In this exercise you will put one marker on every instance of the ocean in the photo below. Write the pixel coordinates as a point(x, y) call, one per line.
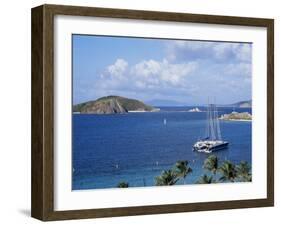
point(137, 147)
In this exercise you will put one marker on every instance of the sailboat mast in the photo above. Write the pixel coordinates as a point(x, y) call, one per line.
point(217, 124)
point(213, 131)
point(212, 124)
point(208, 121)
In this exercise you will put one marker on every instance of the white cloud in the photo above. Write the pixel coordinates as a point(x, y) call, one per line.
point(222, 50)
point(147, 74)
point(158, 72)
point(193, 45)
point(245, 53)
point(147, 68)
point(219, 51)
point(118, 68)
point(240, 69)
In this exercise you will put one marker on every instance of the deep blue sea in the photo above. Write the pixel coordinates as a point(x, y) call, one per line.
point(137, 147)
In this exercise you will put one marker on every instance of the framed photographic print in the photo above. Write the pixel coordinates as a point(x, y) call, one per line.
point(141, 112)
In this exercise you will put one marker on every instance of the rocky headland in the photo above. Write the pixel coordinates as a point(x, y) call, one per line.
point(112, 105)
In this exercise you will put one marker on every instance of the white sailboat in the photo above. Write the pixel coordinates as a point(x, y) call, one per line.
point(213, 140)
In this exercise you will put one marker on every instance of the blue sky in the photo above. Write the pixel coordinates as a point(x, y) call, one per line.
point(177, 71)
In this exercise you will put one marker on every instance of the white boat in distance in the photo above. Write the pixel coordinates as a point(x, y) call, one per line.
point(213, 140)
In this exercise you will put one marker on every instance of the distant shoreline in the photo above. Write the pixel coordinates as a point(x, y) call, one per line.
point(166, 109)
point(239, 120)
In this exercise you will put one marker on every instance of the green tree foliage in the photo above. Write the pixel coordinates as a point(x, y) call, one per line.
point(205, 179)
point(123, 184)
point(244, 172)
point(212, 164)
point(168, 177)
point(182, 169)
point(228, 171)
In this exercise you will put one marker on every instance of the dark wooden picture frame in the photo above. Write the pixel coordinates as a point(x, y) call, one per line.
point(42, 203)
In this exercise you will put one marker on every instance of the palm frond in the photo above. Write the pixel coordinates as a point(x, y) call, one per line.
point(205, 179)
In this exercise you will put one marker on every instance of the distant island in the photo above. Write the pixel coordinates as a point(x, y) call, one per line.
point(173, 103)
point(240, 104)
point(163, 103)
point(112, 105)
point(194, 110)
point(243, 116)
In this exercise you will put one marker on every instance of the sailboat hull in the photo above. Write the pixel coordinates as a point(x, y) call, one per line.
point(219, 146)
point(209, 146)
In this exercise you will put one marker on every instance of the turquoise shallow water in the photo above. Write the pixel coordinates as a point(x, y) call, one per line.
point(136, 147)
